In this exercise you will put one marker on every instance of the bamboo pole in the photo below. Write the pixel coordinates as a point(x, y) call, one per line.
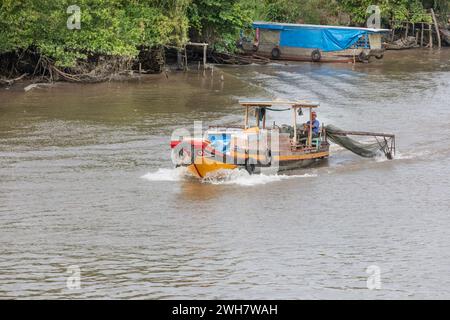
point(436, 26)
point(392, 24)
point(431, 36)
point(185, 59)
point(363, 133)
point(421, 36)
point(294, 110)
point(246, 118)
point(204, 56)
point(310, 127)
point(264, 120)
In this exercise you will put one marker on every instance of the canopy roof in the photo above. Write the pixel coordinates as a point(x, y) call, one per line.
point(282, 26)
point(319, 37)
point(270, 103)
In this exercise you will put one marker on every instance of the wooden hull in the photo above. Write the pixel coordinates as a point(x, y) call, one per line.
point(270, 47)
point(207, 166)
point(445, 34)
point(277, 155)
point(204, 166)
point(345, 56)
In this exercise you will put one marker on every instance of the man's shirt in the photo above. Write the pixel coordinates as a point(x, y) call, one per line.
point(315, 126)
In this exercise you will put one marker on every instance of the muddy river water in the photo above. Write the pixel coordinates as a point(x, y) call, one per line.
point(87, 184)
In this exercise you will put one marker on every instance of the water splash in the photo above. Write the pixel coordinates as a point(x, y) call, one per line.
point(405, 156)
point(243, 178)
point(167, 174)
point(222, 177)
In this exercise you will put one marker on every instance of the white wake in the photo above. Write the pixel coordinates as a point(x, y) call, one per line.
point(223, 177)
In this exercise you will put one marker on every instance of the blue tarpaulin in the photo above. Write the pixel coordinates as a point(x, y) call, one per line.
point(220, 141)
point(324, 38)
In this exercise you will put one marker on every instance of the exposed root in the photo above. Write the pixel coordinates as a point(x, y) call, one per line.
point(10, 82)
point(96, 68)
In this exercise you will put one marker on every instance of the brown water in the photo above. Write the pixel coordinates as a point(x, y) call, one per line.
point(86, 180)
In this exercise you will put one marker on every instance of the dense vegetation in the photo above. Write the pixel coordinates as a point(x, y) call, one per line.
point(123, 28)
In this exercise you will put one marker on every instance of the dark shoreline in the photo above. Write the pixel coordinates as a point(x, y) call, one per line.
point(26, 81)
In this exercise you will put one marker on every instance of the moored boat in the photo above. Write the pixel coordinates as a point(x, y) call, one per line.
point(445, 34)
point(317, 43)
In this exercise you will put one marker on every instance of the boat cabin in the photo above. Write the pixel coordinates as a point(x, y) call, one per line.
point(298, 136)
point(316, 43)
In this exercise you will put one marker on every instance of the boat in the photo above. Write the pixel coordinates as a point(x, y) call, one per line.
point(445, 34)
point(257, 146)
point(316, 43)
point(402, 44)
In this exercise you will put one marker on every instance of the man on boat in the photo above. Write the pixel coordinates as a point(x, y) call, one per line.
point(315, 125)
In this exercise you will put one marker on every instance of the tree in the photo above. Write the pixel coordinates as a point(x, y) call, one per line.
point(398, 10)
point(218, 21)
point(108, 27)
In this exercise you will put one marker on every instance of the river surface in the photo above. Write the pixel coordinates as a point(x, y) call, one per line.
point(86, 182)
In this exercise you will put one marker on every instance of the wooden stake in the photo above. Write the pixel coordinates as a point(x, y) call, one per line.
point(204, 56)
point(185, 59)
point(421, 36)
point(436, 26)
point(392, 26)
point(431, 36)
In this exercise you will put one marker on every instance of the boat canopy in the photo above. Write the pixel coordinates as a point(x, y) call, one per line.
point(325, 38)
point(270, 103)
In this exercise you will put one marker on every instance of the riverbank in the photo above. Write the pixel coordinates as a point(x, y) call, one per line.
point(415, 56)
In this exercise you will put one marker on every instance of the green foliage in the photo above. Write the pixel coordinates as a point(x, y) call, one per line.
point(440, 6)
point(120, 27)
point(293, 11)
point(398, 10)
point(218, 21)
point(108, 27)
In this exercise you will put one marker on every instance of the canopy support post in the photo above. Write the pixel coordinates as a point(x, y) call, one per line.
point(310, 128)
point(246, 118)
point(294, 110)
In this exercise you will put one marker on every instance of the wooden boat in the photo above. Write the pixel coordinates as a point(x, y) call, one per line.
point(317, 43)
point(445, 34)
point(402, 44)
point(256, 146)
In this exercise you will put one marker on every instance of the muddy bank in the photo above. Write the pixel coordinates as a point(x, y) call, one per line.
point(31, 65)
